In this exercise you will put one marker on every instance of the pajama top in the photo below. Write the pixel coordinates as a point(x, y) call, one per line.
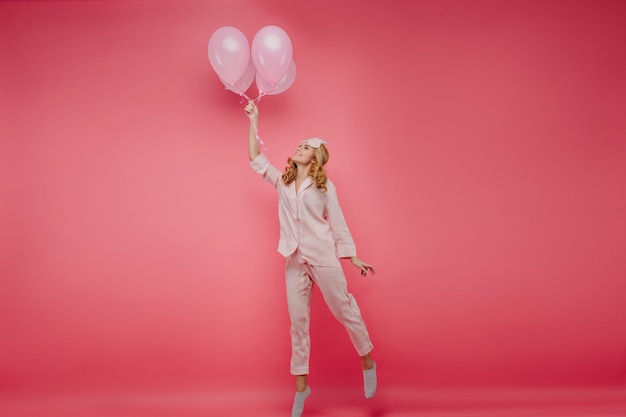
point(310, 220)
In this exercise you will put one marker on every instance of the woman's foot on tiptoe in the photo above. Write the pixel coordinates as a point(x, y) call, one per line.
point(369, 381)
point(298, 402)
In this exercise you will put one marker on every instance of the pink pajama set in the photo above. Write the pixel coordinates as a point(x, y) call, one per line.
point(313, 236)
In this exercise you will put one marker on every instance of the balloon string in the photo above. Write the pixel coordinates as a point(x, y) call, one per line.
point(256, 127)
point(264, 93)
point(256, 133)
point(241, 93)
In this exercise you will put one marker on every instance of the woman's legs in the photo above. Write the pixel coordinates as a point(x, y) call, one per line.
point(299, 278)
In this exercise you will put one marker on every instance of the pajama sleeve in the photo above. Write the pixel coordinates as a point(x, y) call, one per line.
point(343, 238)
point(261, 165)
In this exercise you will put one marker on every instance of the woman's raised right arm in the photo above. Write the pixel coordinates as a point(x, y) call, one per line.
point(253, 144)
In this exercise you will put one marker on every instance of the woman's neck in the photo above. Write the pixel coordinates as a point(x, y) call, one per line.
point(302, 173)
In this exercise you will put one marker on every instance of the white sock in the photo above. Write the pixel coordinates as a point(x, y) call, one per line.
point(298, 402)
point(369, 380)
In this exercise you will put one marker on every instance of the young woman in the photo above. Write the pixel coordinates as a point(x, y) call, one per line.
point(313, 237)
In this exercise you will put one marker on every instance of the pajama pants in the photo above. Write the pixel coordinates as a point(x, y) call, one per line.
point(300, 277)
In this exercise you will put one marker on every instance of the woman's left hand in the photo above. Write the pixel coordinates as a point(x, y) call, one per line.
point(364, 267)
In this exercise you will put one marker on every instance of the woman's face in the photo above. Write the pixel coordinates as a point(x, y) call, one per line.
point(304, 154)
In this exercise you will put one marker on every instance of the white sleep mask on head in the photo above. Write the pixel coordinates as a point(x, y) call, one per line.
point(314, 142)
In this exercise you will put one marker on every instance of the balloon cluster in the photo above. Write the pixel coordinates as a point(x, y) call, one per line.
point(268, 61)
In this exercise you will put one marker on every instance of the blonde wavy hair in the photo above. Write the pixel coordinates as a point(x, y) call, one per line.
point(316, 170)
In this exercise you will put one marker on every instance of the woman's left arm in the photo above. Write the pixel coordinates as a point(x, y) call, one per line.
point(344, 243)
point(346, 249)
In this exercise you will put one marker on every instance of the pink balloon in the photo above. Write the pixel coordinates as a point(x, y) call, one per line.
point(229, 53)
point(272, 52)
point(266, 88)
point(244, 82)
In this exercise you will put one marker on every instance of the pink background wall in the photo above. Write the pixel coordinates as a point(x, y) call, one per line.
point(479, 149)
